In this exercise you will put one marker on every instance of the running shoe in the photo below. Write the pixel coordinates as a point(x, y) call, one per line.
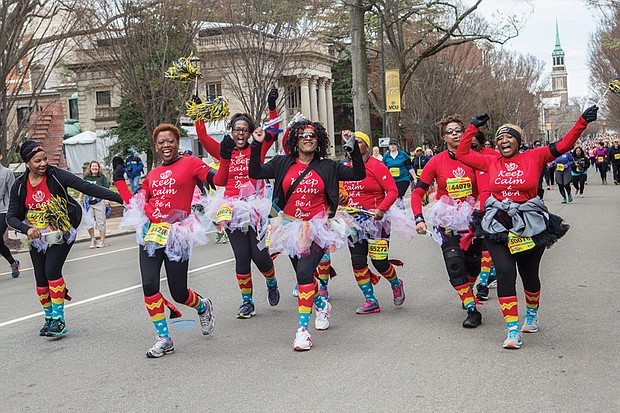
point(296, 290)
point(161, 347)
point(15, 268)
point(580, 195)
point(368, 307)
point(57, 328)
point(474, 318)
point(93, 244)
point(482, 292)
point(246, 310)
point(102, 244)
point(273, 295)
point(514, 340)
point(570, 198)
point(323, 292)
point(399, 294)
point(563, 201)
point(46, 326)
point(321, 321)
point(207, 322)
point(530, 324)
point(303, 341)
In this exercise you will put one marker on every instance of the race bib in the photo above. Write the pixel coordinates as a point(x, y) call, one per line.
point(37, 218)
point(223, 214)
point(419, 172)
point(616, 156)
point(158, 233)
point(458, 187)
point(378, 249)
point(559, 167)
point(519, 244)
point(600, 159)
point(395, 172)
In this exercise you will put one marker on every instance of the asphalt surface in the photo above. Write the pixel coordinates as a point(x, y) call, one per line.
point(413, 358)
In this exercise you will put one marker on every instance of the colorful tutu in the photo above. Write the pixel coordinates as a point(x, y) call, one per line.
point(52, 236)
point(394, 221)
point(294, 237)
point(178, 239)
point(450, 213)
point(238, 213)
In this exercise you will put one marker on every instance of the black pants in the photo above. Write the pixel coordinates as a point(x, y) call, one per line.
point(579, 182)
point(48, 265)
point(305, 266)
point(616, 169)
point(245, 248)
point(4, 250)
point(359, 252)
point(550, 175)
point(176, 271)
point(602, 168)
point(506, 265)
point(459, 263)
point(402, 188)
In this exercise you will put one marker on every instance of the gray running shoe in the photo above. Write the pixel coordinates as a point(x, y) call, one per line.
point(513, 341)
point(161, 347)
point(530, 324)
point(368, 307)
point(207, 322)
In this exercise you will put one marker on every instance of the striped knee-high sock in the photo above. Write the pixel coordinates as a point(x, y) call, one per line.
point(320, 301)
point(472, 281)
point(155, 306)
point(194, 301)
point(57, 294)
point(390, 275)
point(270, 277)
point(510, 311)
point(485, 267)
point(532, 300)
point(323, 272)
point(245, 286)
point(304, 303)
point(44, 299)
point(362, 277)
point(465, 294)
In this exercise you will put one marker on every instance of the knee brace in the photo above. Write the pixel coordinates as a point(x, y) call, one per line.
point(358, 261)
point(455, 262)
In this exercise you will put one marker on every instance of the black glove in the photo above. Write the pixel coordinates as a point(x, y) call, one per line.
point(226, 147)
point(119, 173)
point(480, 120)
point(589, 115)
point(196, 99)
point(272, 97)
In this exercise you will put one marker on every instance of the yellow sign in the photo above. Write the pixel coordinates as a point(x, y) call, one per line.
point(158, 233)
point(392, 91)
point(378, 249)
point(519, 244)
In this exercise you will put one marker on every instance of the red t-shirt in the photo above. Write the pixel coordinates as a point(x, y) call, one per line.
point(517, 177)
point(454, 179)
point(37, 196)
point(377, 191)
point(308, 199)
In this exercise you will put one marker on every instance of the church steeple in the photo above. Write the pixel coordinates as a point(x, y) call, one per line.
point(559, 75)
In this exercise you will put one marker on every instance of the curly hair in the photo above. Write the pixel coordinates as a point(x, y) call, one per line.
point(449, 119)
point(242, 117)
point(298, 127)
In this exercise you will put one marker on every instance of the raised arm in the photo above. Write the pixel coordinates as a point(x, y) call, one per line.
point(221, 177)
point(256, 168)
point(358, 171)
point(568, 141)
point(463, 152)
point(211, 145)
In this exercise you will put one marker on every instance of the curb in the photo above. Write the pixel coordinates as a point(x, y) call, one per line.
point(83, 239)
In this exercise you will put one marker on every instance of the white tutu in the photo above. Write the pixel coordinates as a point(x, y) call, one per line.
point(394, 220)
point(294, 237)
point(450, 213)
point(53, 237)
point(249, 212)
point(182, 235)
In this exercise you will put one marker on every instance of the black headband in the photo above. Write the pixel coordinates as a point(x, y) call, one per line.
point(510, 131)
point(29, 149)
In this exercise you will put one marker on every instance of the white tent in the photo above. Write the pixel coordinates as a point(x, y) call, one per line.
point(85, 147)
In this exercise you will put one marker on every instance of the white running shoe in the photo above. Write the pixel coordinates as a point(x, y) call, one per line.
point(161, 347)
point(303, 340)
point(513, 341)
point(322, 317)
point(207, 322)
point(530, 324)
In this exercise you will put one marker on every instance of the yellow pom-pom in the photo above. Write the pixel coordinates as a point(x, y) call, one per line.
point(210, 111)
point(183, 70)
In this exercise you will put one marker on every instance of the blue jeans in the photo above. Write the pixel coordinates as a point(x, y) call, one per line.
point(135, 183)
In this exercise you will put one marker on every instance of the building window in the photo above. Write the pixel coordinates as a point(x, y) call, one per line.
point(23, 116)
point(213, 90)
point(293, 97)
point(104, 98)
point(74, 112)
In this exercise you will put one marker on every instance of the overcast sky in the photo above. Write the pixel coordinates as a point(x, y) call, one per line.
point(576, 24)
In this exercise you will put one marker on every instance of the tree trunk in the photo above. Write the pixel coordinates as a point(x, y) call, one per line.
point(359, 68)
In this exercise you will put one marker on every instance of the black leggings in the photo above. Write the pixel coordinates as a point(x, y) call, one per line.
point(359, 252)
point(550, 175)
point(564, 190)
point(402, 188)
point(459, 263)
point(602, 168)
point(4, 250)
point(506, 265)
point(245, 248)
point(48, 265)
point(176, 271)
point(305, 266)
point(579, 182)
point(616, 171)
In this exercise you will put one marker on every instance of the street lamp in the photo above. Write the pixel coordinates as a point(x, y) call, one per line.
point(195, 60)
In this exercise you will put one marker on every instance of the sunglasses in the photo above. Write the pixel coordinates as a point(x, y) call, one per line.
point(451, 131)
point(307, 135)
point(241, 130)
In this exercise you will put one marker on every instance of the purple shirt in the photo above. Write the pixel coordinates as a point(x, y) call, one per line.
point(600, 155)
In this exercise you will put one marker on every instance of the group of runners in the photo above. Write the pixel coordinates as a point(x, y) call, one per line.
point(485, 207)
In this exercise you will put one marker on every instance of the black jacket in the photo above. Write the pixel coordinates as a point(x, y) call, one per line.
point(611, 154)
point(58, 181)
point(330, 172)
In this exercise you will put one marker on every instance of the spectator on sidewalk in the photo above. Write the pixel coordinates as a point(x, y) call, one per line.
point(96, 207)
point(133, 169)
point(6, 182)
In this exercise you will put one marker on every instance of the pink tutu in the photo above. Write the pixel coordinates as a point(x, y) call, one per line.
point(450, 213)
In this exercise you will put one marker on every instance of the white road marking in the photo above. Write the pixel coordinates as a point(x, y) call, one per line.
point(99, 297)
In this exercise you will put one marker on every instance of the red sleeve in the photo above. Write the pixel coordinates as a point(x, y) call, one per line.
point(272, 115)
point(465, 154)
point(211, 145)
point(568, 141)
point(284, 139)
point(386, 181)
point(123, 190)
point(221, 177)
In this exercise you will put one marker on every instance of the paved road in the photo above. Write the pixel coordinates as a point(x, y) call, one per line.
point(413, 358)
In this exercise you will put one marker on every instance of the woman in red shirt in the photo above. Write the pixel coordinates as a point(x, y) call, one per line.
point(244, 209)
point(457, 191)
point(374, 195)
point(168, 229)
point(306, 191)
point(516, 225)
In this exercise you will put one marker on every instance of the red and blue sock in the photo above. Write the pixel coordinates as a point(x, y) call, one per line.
point(155, 306)
point(57, 290)
point(245, 286)
point(44, 298)
point(270, 277)
point(304, 303)
point(532, 301)
point(390, 275)
point(194, 301)
point(465, 294)
point(362, 276)
point(510, 311)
